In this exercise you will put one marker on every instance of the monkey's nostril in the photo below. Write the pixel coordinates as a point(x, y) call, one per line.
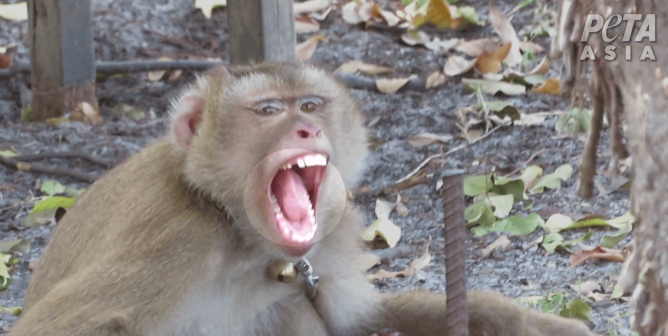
point(303, 134)
point(318, 133)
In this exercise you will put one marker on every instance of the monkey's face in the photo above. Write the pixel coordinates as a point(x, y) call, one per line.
point(282, 143)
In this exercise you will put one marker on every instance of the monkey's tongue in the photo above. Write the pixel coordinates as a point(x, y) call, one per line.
point(291, 194)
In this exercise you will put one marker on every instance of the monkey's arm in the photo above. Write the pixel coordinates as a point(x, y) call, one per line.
point(102, 300)
point(424, 314)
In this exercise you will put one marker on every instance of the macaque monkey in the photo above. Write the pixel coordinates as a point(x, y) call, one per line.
point(210, 231)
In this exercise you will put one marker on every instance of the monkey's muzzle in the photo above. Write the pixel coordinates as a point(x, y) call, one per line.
point(293, 197)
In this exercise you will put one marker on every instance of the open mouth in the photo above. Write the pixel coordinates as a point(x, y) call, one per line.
point(293, 197)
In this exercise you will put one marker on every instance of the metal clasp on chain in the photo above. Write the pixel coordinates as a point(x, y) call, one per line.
point(304, 268)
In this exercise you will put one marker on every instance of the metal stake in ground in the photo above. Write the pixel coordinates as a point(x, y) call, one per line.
point(455, 253)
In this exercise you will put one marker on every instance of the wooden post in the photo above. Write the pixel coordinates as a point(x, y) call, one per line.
point(261, 30)
point(62, 56)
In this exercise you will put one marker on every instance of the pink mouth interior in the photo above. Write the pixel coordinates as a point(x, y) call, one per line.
point(296, 191)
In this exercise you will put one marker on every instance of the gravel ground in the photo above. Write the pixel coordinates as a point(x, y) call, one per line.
point(126, 30)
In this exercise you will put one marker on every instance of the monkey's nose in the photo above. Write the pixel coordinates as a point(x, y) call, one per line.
point(310, 131)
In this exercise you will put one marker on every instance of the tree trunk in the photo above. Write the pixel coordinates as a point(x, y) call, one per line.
point(644, 88)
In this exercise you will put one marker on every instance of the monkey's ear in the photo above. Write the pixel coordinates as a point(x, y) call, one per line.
point(187, 117)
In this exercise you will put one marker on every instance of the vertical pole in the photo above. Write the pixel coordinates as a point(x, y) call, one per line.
point(261, 30)
point(62, 56)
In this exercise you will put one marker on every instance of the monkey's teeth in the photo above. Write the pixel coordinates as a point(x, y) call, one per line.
point(301, 163)
point(315, 160)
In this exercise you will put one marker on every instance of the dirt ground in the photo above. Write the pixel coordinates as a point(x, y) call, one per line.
point(125, 29)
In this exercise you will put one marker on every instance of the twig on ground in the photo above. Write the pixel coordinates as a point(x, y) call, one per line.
point(416, 170)
point(403, 251)
point(61, 155)
point(38, 168)
point(535, 155)
point(391, 188)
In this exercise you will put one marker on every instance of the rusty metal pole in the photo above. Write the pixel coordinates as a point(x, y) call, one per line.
point(455, 253)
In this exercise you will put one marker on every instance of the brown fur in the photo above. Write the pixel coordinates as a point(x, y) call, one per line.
point(159, 246)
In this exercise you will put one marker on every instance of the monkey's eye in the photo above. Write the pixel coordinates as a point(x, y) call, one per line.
point(268, 108)
point(310, 104)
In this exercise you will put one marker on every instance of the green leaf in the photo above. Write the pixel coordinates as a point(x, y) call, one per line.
point(7, 153)
point(578, 309)
point(5, 278)
point(575, 121)
point(502, 205)
point(508, 186)
point(480, 213)
point(407, 2)
point(553, 241)
point(477, 185)
point(493, 87)
point(27, 113)
point(500, 108)
point(553, 181)
point(518, 225)
point(559, 222)
point(524, 4)
point(129, 111)
point(19, 245)
point(53, 203)
point(534, 80)
point(624, 224)
point(51, 188)
point(469, 14)
point(531, 175)
point(16, 311)
point(421, 3)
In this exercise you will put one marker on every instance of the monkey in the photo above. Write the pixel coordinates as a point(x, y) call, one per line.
point(183, 238)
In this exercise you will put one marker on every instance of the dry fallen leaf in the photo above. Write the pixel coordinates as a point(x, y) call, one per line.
point(383, 226)
point(434, 80)
point(309, 6)
point(500, 242)
point(5, 61)
point(418, 37)
point(390, 18)
point(155, 76)
point(391, 85)
point(477, 47)
point(417, 264)
point(491, 62)
point(426, 139)
point(306, 49)
point(357, 11)
point(551, 86)
point(457, 65)
point(530, 46)
point(207, 6)
point(87, 113)
point(597, 253)
point(14, 12)
point(365, 68)
point(436, 12)
point(401, 209)
point(587, 287)
point(33, 264)
point(505, 29)
point(306, 24)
